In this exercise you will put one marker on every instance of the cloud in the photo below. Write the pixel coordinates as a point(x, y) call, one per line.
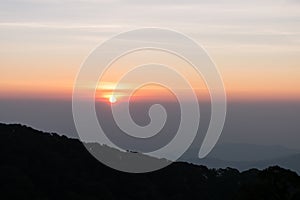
point(58, 25)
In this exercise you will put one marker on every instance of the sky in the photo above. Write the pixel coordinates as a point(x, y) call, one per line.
point(255, 44)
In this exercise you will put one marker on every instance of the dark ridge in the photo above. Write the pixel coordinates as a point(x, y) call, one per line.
point(39, 165)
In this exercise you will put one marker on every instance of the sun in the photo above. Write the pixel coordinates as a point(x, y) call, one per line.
point(112, 99)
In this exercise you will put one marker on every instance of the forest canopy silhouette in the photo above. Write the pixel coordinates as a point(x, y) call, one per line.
point(39, 165)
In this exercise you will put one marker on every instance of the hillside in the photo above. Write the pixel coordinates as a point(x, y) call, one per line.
point(38, 165)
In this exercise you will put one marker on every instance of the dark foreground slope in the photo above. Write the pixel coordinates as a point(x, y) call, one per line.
point(37, 165)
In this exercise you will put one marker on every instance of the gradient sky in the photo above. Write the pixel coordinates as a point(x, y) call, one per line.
point(255, 44)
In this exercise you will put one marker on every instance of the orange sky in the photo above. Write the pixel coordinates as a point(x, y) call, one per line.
point(242, 79)
point(255, 45)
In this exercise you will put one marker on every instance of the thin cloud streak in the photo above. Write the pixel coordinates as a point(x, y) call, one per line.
point(59, 26)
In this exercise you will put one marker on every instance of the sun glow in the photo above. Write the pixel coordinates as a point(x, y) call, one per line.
point(112, 99)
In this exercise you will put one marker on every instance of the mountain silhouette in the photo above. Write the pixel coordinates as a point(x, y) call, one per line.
point(291, 162)
point(250, 152)
point(39, 165)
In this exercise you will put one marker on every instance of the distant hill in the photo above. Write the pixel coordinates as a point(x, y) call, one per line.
point(250, 152)
point(290, 162)
point(39, 165)
point(247, 156)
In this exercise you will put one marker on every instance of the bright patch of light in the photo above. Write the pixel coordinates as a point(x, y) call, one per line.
point(112, 99)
